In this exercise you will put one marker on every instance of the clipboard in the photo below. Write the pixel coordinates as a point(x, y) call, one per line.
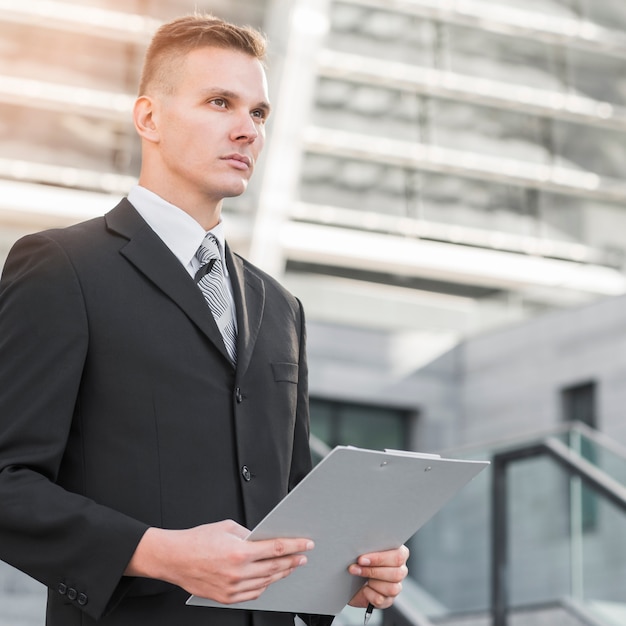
point(353, 502)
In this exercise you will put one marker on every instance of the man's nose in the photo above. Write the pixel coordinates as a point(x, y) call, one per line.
point(246, 129)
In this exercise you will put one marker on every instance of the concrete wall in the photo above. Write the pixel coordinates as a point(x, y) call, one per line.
point(507, 382)
point(513, 377)
point(502, 384)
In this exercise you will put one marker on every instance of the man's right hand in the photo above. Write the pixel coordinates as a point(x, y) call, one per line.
point(215, 561)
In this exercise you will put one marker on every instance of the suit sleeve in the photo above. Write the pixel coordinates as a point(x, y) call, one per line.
point(69, 543)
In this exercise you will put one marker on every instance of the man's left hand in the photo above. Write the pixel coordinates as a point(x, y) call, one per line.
point(385, 572)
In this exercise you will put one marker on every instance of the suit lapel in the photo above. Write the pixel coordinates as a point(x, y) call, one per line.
point(155, 261)
point(249, 294)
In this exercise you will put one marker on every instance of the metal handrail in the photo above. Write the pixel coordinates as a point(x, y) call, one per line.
point(574, 463)
point(404, 612)
point(522, 440)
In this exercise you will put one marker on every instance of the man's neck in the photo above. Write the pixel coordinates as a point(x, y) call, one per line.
point(206, 211)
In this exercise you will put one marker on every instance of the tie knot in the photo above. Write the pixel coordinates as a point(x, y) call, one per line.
point(209, 249)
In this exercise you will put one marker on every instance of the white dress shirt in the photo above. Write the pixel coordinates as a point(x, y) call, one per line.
point(178, 230)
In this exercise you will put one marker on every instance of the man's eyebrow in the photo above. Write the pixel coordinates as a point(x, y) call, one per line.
point(265, 106)
point(218, 92)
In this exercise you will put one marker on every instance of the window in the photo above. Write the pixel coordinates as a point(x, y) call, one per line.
point(579, 403)
point(366, 426)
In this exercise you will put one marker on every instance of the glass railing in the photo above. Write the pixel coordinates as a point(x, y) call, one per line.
point(450, 555)
point(549, 516)
point(596, 448)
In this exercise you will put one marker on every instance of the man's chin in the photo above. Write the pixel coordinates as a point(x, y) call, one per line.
point(232, 191)
point(234, 194)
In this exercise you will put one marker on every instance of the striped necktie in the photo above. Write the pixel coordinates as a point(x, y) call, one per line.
point(210, 279)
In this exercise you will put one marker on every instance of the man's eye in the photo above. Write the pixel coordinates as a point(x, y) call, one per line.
point(259, 114)
point(220, 102)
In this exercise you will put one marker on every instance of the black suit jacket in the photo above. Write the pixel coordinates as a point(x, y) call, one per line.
point(120, 410)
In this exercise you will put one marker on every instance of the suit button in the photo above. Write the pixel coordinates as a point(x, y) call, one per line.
point(72, 594)
point(62, 589)
point(245, 472)
point(82, 599)
point(238, 395)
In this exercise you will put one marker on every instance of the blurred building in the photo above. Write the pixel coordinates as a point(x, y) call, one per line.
point(445, 168)
point(436, 169)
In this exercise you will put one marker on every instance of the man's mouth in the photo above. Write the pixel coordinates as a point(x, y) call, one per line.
point(239, 161)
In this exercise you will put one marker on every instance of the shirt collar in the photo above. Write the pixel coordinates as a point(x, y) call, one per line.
point(178, 230)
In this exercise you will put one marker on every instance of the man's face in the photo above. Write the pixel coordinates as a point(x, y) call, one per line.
point(212, 128)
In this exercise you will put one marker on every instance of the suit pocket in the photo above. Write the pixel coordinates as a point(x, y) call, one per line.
point(285, 372)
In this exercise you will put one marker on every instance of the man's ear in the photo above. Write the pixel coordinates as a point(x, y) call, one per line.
point(145, 118)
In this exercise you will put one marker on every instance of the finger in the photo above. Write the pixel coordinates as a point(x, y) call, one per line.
point(385, 574)
point(380, 600)
point(386, 558)
point(276, 548)
point(380, 590)
point(274, 566)
point(253, 586)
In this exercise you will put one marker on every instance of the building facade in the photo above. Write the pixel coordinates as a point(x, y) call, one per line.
point(434, 169)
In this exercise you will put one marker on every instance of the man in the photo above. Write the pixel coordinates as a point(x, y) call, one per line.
point(142, 432)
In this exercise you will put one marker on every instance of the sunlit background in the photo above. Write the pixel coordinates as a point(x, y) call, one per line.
point(444, 189)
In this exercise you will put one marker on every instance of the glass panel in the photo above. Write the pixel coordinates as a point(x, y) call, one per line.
point(321, 420)
point(338, 423)
point(476, 203)
point(381, 34)
point(564, 538)
point(372, 427)
point(369, 186)
point(366, 109)
point(598, 77)
point(498, 57)
point(608, 13)
point(353, 184)
point(611, 461)
point(600, 575)
point(598, 150)
point(495, 132)
point(450, 555)
point(447, 199)
point(562, 218)
point(538, 540)
point(604, 226)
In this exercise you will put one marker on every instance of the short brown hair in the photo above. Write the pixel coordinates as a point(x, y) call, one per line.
point(175, 39)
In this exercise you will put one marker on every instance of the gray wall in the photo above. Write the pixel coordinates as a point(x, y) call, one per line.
point(508, 382)
point(498, 385)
